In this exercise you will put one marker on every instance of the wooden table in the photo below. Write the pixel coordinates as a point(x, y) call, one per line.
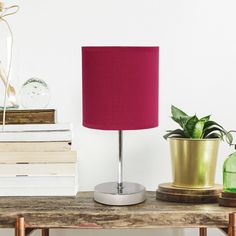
point(29, 213)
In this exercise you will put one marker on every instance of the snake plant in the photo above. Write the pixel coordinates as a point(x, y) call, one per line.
point(195, 128)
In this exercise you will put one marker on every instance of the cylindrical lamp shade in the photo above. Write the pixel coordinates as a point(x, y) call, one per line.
point(120, 87)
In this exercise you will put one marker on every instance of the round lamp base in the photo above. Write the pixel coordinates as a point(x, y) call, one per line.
point(108, 194)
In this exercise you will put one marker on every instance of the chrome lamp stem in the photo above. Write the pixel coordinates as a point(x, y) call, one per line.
point(119, 193)
point(120, 165)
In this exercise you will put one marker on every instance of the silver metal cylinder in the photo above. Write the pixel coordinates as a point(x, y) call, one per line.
point(120, 165)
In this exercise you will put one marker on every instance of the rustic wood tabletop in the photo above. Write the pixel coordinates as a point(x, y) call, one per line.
point(83, 212)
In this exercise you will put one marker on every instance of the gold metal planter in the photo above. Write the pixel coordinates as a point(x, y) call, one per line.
point(194, 162)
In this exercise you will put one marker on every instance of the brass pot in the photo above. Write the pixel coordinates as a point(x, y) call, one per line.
point(194, 162)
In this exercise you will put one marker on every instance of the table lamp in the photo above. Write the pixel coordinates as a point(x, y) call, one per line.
point(120, 92)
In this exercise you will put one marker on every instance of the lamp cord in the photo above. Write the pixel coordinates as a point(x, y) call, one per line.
point(5, 13)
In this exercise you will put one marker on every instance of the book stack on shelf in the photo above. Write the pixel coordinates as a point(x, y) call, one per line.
point(35, 155)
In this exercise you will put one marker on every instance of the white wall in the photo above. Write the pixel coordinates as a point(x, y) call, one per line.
point(197, 42)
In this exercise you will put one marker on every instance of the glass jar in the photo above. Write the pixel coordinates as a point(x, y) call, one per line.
point(229, 173)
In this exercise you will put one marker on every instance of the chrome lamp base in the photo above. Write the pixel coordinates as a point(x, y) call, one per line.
point(110, 194)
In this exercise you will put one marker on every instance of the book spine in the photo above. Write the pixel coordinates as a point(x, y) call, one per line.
point(29, 191)
point(37, 157)
point(37, 181)
point(37, 127)
point(62, 169)
point(44, 116)
point(35, 136)
point(59, 146)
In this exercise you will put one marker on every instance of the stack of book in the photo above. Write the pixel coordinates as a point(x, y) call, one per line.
point(35, 156)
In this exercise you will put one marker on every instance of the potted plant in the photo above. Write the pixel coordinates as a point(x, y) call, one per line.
point(194, 149)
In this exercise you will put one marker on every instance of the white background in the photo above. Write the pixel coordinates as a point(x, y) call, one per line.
point(197, 42)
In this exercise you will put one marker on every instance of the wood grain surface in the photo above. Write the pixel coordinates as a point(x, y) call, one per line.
point(167, 192)
point(169, 188)
point(228, 199)
point(40, 116)
point(83, 212)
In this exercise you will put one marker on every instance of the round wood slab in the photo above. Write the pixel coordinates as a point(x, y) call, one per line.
point(170, 193)
point(227, 199)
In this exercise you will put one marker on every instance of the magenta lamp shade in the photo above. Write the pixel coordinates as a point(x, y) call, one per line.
point(120, 87)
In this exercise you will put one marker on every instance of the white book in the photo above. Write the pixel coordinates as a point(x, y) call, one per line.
point(37, 157)
point(37, 127)
point(30, 191)
point(59, 146)
point(37, 181)
point(64, 169)
point(36, 136)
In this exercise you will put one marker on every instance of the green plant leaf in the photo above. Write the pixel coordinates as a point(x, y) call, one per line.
point(177, 113)
point(183, 120)
point(190, 124)
point(192, 127)
point(198, 129)
point(229, 138)
point(214, 135)
point(212, 129)
point(174, 133)
point(211, 123)
point(176, 120)
point(205, 118)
